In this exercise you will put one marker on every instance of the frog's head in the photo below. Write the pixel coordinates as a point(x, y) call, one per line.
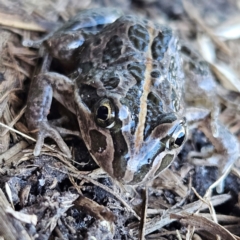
point(129, 102)
point(133, 129)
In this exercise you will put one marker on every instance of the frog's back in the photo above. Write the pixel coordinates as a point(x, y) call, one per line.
point(140, 49)
point(126, 38)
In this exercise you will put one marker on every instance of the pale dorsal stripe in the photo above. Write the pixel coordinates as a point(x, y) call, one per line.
point(143, 100)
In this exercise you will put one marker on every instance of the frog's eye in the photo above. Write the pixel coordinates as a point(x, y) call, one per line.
point(177, 137)
point(105, 113)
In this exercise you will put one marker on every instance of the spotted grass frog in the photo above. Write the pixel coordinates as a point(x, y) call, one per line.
point(124, 79)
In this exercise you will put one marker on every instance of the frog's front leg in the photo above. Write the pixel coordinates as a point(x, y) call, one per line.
point(42, 89)
point(200, 92)
point(226, 146)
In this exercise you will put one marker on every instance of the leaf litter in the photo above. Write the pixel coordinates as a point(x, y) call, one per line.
point(51, 196)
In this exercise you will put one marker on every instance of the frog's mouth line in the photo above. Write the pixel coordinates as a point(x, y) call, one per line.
point(138, 166)
point(160, 161)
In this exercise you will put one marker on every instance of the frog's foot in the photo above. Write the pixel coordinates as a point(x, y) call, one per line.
point(60, 121)
point(206, 157)
point(64, 120)
point(46, 130)
point(213, 160)
point(64, 131)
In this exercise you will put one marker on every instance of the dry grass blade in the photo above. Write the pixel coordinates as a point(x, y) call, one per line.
point(228, 77)
point(236, 172)
point(32, 139)
point(230, 29)
point(14, 121)
point(178, 235)
point(9, 194)
point(222, 218)
point(26, 218)
point(208, 202)
point(194, 15)
point(23, 51)
point(207, 48)
point(13, 151)
point(206, 224)
point(17, 22)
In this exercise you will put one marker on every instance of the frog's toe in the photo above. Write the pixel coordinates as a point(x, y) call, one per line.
point(48, 131)
point(39, 144)
point(204, 158)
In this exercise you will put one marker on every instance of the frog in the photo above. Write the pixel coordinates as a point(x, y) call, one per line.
point(124, 77)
